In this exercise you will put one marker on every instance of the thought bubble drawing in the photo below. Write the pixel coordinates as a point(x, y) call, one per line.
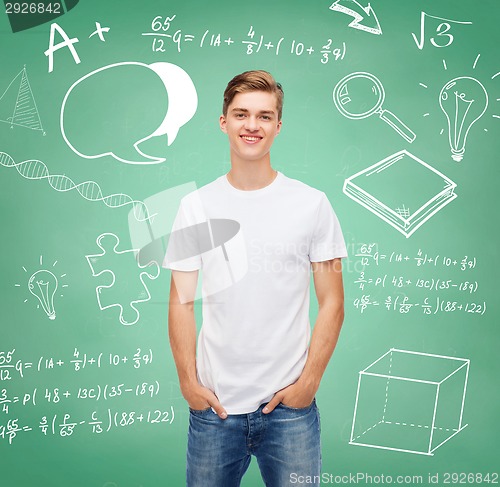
point(114, 109)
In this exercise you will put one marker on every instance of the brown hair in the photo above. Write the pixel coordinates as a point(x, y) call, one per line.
point(253, 81)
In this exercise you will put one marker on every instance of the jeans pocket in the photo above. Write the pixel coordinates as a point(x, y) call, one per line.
point(200, 411)
point(290, 408)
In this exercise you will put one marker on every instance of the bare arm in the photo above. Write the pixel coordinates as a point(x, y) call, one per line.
point(330, 293)
point(182, 335)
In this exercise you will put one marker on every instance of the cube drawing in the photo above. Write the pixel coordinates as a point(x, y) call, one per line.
point(410, 401)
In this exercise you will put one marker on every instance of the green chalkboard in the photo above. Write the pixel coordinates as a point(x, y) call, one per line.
point(109, 115)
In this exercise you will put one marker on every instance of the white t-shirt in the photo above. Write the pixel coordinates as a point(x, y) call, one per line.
point(255, 259)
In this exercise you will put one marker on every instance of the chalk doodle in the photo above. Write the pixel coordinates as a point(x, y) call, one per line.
point(137, 292)
point(464, 101)
point(43, 284)
point(442, 31)
point(402, 190)
point(361, 15)
point(410, 402)
point(69, 43)
point(360, 95)
point(253, 43)
point(90, 190)
point(18, 106)
point(99, 31)
point(182, 105)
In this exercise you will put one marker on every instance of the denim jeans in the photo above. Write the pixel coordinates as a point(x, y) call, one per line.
point(286, 443)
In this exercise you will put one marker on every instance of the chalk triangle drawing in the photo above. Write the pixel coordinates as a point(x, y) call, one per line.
point(21, 106)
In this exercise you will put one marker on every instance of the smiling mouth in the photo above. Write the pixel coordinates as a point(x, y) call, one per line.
point(251, 138)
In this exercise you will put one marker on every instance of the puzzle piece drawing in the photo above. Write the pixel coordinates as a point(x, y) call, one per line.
point(128, 283)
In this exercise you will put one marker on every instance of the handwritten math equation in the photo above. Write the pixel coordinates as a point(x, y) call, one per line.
point(447, 276)
point(50, 383)
point(368, 254)
point(386, 280)
point(10, 365)
point(403, 305)
point(94, 392)
point(165, 37)
point(63, 425)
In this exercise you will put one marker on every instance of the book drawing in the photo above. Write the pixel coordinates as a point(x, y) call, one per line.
point(402, 190)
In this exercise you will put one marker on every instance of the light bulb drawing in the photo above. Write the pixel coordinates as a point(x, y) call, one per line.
point(43, 284)
point(463, 100)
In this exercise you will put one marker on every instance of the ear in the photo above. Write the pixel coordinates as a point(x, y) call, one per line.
point(222, 123)
point(278, 128)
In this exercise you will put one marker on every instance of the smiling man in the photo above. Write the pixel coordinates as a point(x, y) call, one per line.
point(251, 385)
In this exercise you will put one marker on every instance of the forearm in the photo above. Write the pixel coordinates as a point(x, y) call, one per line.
point(324, 338)
point(182, 336)
point(323, 341)
point(330, 293)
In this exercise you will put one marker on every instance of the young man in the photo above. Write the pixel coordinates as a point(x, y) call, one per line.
point(251, 387)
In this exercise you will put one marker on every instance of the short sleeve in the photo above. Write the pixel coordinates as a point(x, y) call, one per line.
point(327, 240)
point(183, 253)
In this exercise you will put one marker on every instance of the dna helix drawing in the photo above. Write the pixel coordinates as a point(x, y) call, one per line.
point(90, 190)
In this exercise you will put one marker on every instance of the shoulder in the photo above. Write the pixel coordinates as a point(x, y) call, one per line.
point(203, 193)
point(299, 188)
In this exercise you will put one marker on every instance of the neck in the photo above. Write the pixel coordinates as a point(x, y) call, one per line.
point(251, 175)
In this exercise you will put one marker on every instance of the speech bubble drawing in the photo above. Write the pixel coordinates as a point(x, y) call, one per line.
point(123, 104)
point(182, 99)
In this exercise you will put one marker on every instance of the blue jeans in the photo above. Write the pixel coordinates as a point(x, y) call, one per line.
point(286, 443)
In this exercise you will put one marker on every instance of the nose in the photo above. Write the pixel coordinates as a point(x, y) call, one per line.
point(251, 123)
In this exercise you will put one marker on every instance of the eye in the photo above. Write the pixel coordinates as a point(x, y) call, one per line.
point(266, 117)
point(240, 115)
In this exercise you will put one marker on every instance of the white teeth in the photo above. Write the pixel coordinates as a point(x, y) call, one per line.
point(251, 139)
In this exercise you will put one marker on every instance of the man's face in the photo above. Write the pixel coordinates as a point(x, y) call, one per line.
point(251, 124)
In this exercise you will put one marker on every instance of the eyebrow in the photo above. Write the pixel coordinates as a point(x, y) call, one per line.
point(244, 110)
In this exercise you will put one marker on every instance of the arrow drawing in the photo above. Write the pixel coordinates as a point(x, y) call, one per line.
point(359, 14)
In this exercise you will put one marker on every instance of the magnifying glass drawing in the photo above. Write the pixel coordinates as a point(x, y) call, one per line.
point(360, 95)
